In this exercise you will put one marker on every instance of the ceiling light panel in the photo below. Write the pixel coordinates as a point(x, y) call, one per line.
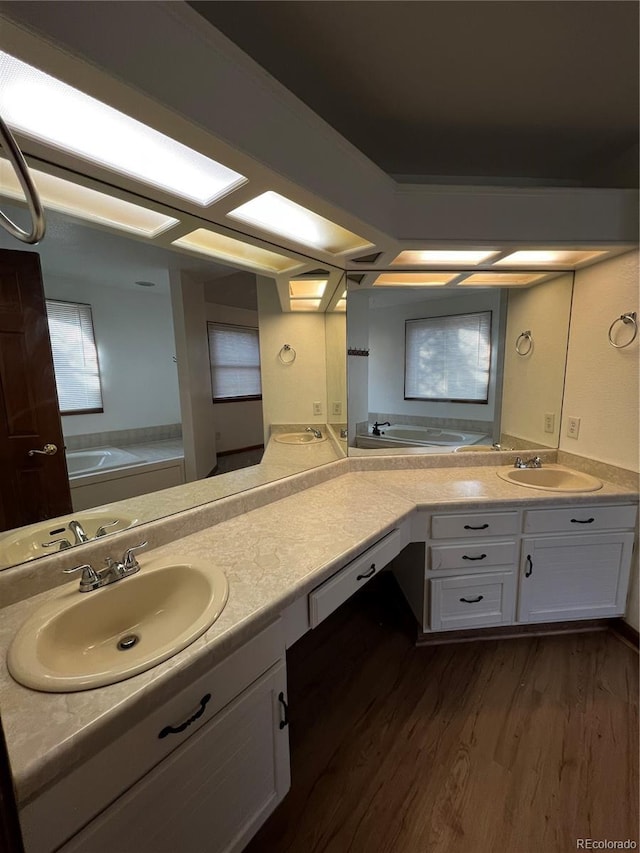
point(414, 279)
point(412, 257)
point(304, 304)
point(501, 279)
point(279, 215)
point(549, 257)
point(307, 288)
point(215, 245)
point(75, 200)
point(48, 110)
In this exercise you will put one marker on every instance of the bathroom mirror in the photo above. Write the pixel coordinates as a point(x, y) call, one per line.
point(521, 403)
point(151, 374)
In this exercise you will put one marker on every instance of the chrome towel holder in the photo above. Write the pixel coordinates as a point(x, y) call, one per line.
point(629, 319)
point(522, 340)
point(34, 204)
point(287, 354)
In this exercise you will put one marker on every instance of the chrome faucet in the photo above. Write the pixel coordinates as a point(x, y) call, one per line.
point(78, 531)
point(114, 570)
point(316, 432)
point(376, 427)
point(534, 462)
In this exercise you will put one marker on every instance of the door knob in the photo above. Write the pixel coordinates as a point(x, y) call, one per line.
point(47, 450)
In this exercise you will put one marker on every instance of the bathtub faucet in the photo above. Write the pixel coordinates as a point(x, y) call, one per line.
point(78, 531)
point(376, 426)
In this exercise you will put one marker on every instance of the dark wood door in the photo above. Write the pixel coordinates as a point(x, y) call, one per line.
point(10, 837)
point(32, 488)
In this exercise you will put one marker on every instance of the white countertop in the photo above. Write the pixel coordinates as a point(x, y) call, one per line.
point(272, 555)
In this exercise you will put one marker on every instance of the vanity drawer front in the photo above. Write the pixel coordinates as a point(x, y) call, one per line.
point(472, 601)
point(474, 524)
point(580, 519)
point(472, 556)
point(48, 821)
point(332, 593)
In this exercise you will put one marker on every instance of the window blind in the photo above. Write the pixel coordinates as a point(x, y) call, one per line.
point(448, 358)
point(234, 354)
point(75, 357)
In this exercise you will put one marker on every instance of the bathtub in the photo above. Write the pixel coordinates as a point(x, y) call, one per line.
point(403, 435)
point(81, 462)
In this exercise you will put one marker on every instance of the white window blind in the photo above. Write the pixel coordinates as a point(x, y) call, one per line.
point(234, 353)
point(448, 358)
point(75, 358)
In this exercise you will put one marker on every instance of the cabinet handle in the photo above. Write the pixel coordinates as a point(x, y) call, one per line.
point(368, 574)
point(481, 557)
point(170, 730)
point(481, 527)
point(285, 709)
point(472, 600)
point(529, 570)
point(582, 520)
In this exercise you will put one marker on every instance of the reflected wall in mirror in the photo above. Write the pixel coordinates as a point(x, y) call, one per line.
point(155, 425)
point(522, 405)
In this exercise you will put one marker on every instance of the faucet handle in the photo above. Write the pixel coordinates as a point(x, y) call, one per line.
point(101, 531)
point(128, 560)
point(63, 543)
point(89, 578)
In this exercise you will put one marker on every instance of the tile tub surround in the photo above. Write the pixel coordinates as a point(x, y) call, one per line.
point(273, 554)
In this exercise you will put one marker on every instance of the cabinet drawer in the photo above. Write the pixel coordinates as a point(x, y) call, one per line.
point(474, 524)
point(472, 601)
point(48, 820)
point(580, 519)
point(332, 593)
point(472, 555)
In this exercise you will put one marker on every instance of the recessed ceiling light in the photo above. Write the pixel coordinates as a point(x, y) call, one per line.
point(307, 288)
point(501, 279)
point(443, 256)
point(210, 243)
point(67, 197)
point(547, 257)
point(414, 279)
point(43, 108)
point(341, 305)
point(304, 304)
point(279, 215)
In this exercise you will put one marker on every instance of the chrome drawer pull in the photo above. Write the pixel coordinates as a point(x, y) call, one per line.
point(481, 557)
point(170, 730)
point(368, 574)
point(481, 527)
point(472, 600)
point(582, 521)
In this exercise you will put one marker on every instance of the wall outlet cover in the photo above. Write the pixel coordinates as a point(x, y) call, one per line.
point(573, 426)
point(317, 408)
point(549, 421)
point(336, 407)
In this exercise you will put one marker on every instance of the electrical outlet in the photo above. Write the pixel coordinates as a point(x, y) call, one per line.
point(336, 407)
point(573, 427)
point(549, 421)
point(317, 408)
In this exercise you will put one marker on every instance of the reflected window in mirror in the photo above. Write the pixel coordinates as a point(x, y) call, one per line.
point(234, 356)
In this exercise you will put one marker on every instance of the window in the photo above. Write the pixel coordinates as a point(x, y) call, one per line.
point(448, 358)
point(75, 358)
point(234, 354)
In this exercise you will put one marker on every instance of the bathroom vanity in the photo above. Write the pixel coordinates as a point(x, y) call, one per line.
point(197, 747)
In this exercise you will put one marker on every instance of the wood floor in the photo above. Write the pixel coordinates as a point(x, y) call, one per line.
point(509, 746)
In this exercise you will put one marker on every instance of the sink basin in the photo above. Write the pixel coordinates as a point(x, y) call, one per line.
point(75, 641)
point(27, 543)
point(556, 479)
point(298, 438)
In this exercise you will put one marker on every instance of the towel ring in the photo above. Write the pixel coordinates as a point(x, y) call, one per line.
point(34, 204)
point(285, 354)
point(629, 319)
point(520, 343)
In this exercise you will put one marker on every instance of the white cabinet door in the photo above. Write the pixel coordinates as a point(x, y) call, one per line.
point(574, 577)
point(211, 794)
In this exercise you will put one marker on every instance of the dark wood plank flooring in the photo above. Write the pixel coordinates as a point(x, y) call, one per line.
point(507, 746)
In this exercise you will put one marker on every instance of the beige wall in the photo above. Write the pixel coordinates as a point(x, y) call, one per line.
point(535, 381)
point(289, 391)
point(336, 339)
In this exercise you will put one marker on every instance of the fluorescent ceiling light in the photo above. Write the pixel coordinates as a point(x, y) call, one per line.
point(443, 256)
point(48, 110)
point(307, 288)
point(501, 279)
point(341, 305)
point(560, 257)
point(67, 197)
point(207, 242)
point(304, 304)
point(279, 215)
point(414, 279)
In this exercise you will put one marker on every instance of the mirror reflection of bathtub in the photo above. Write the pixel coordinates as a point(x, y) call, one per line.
point(101, 475)
point(405, 435)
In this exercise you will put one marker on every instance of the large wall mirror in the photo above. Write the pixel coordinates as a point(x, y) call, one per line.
point(445, 370)
point(153, 441)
